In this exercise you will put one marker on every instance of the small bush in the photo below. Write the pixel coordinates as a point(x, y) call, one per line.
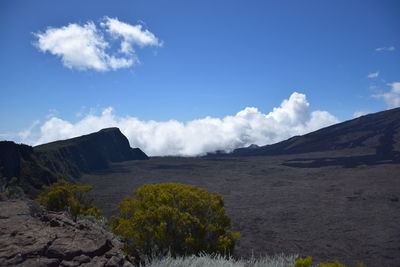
point(64, 196)
point(11, 189)
point(303, 262)
point(176, 218)
point(307, 262)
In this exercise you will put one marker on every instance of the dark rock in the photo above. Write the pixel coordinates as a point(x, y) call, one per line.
point(40, 262)
point(127, 264)
point(54, 223)
point(70, 263)
point(55, 241)
point(82, 258)
point(115, 261)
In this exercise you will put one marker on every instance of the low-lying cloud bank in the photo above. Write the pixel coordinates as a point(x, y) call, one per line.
point(197, 137)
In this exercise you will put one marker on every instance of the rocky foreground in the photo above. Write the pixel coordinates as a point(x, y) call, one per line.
point(30, 236)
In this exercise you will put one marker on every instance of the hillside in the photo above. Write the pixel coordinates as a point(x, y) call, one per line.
point(368, 139)
point(87, 153)
point(18, 160)
point(67, 159)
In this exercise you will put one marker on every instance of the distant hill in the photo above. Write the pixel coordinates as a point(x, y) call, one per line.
point(374, 137)
point(68, 159)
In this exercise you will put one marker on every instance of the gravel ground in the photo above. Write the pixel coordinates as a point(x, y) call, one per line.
point(331, 212)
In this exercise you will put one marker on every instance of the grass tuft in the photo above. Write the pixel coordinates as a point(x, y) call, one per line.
point(207, 260)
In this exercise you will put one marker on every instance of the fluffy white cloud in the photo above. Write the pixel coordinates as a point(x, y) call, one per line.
point(373, 75)
point(130, 34)
point(385, 48)
point(391, 98)
point(197, 137)
point(26, 133)
point(88, 47)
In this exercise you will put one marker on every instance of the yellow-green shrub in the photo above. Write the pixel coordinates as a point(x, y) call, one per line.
point(307, 262)
point(176, 218)
point(63, 195)
point(332, 264)
point(303, 262)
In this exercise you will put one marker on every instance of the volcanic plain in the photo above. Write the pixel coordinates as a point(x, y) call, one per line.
point(307, 204)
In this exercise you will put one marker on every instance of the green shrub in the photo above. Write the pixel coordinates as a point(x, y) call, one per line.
point(175, 218)
point(307, 262)
point(11, 188)
point(64, 196)
point(303, 262)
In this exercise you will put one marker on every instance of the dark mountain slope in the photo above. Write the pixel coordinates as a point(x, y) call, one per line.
point(67, 159)
point(18, 160)
point(88, 152)
point(376, 135)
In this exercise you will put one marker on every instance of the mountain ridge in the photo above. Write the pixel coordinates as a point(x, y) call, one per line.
point(376, 134)
point(66, 159)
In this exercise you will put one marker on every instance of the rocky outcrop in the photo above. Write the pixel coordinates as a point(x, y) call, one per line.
point(29, 236)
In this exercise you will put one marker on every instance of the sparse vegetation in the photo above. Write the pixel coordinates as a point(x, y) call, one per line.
point(175, 218)
point(332, 264)
point(64, 196)
point(307, 262)
point(216, 260)
point(303, 262)
point(10, 188)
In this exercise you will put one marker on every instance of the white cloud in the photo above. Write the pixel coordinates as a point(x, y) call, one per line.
point(391, 98)
point(373, 75)
point(130, 34)
point(85, 46)
point(26, 135)
point(197, 137)
point(360, 113)
point(385, 48)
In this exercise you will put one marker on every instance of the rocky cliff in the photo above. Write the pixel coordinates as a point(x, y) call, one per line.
point(30, 236)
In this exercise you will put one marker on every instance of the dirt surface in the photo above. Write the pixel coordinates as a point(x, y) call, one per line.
point(330, 212)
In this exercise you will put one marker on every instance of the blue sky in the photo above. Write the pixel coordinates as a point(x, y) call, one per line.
point(210, 58)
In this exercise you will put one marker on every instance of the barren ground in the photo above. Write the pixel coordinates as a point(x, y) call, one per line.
point(331, 212)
